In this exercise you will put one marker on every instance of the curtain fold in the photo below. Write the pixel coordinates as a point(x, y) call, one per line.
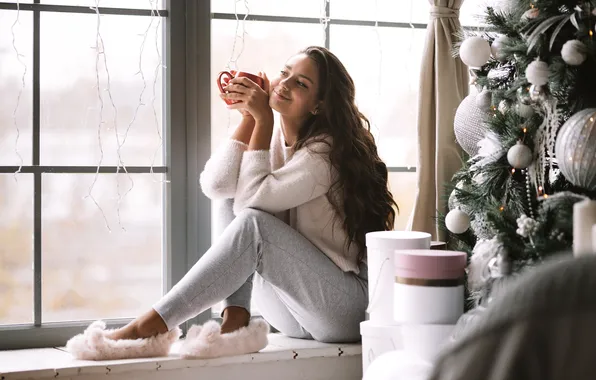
point(443, 85)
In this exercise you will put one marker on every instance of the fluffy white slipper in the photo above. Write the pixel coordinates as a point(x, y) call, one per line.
point(207, 341)
point(95, 344)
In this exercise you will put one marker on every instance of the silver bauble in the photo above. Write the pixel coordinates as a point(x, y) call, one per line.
point(484, 100)
point(470, 124)
point(575, 149)
point(519, 156)
point(537, 93)
point(523, 95)
point(524, 111)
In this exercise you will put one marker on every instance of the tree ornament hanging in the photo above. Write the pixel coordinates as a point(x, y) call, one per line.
point(457, 221)
point(519, 156)
point(474, 51)
point(537, 73)
point(484, 100)
point(523, 95)
point(574, 52)
point(575, 149)
point(497, 46)
point(524, 111)
point(537, 93)
point(469, 124)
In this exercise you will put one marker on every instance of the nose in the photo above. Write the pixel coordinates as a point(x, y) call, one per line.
point(284, 84)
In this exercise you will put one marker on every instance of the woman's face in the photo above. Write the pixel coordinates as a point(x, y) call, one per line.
point(294, 91)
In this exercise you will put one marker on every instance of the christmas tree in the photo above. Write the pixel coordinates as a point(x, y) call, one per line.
point(530, 136)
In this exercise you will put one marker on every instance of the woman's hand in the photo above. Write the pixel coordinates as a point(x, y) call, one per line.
point(252, 98)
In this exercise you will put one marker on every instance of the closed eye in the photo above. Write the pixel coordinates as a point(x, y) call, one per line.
point(301, 84)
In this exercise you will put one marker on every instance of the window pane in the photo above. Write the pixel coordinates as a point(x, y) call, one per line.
point(134, 4)
point(15, 87)
point(90, 272)
point(472, 11)
point(16, 249)
point(403, 188)
point(304, 8)
point(386, 71)
point(414, 11)
point(71, 101)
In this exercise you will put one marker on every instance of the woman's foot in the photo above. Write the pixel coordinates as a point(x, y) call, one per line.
point(234, 318)
point(147, 325)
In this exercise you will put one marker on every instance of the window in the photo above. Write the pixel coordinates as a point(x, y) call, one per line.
point(86, 179)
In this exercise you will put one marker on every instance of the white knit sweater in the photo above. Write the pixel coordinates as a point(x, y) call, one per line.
point(291, 185)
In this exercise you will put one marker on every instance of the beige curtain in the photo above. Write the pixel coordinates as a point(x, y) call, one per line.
point(443, 85)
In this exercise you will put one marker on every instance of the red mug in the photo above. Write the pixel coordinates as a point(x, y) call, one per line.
point(225, 76)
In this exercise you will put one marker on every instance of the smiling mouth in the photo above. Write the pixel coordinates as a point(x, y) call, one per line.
point(281, 96)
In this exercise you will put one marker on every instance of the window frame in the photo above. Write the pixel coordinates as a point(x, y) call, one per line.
point(186, 219)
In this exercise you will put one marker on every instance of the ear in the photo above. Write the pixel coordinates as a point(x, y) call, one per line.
point(317, 108)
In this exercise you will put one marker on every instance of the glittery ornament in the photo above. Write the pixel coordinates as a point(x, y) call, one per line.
point(519, 156)
point(482, 228)
point(470, 124)
point(575, 149)
point(503, 106)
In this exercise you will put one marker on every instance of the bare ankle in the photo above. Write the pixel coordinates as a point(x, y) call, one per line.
point(234, 318)
point(150, 324)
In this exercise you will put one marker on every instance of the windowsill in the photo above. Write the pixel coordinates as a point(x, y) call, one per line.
point(56, 363)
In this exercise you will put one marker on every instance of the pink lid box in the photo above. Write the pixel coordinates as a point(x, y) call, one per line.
point(430, 264)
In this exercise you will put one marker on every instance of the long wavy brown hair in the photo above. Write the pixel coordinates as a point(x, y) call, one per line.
point(360, 193)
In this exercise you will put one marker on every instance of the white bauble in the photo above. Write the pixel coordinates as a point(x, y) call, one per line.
point(469, 124)
point(574, 52)
point(484, 100)
point(497, 48)
point(537, 73)
point(519, 156)
point(575, 149)
point(457, 221)
point(474, 52)
point(524, 111)
point(398, 365)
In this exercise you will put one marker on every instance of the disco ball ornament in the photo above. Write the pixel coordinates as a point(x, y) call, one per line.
point(470, 124)
point(575, 149)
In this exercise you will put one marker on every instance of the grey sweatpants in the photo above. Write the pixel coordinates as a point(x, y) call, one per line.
point(297, 288)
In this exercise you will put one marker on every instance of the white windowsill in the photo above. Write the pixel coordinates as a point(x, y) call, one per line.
point(335, 360)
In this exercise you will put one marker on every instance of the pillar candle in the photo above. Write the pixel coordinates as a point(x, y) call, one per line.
point(584, 217)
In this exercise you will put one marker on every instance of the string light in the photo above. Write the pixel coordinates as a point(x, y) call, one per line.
point(21, 89)
point(502, 208)
point(98, 51)
point(513, 171)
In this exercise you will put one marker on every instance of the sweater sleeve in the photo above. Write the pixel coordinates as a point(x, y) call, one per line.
point(306, 176)
point(220, 175)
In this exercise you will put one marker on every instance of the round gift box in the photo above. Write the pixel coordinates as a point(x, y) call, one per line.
point(381, 249)
point(429, 286)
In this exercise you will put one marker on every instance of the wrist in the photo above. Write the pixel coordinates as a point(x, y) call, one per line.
point(266, 119)
point(248, 120)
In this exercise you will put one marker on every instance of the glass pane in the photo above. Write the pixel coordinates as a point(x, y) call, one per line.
point(386, 71)
point(131, 4)
point(403, 188)
point(91, 271)
point(16, 54)
point(304, 8)
point(472, 11)
point(79, 119)
point(411, 11)
point(16, 249)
